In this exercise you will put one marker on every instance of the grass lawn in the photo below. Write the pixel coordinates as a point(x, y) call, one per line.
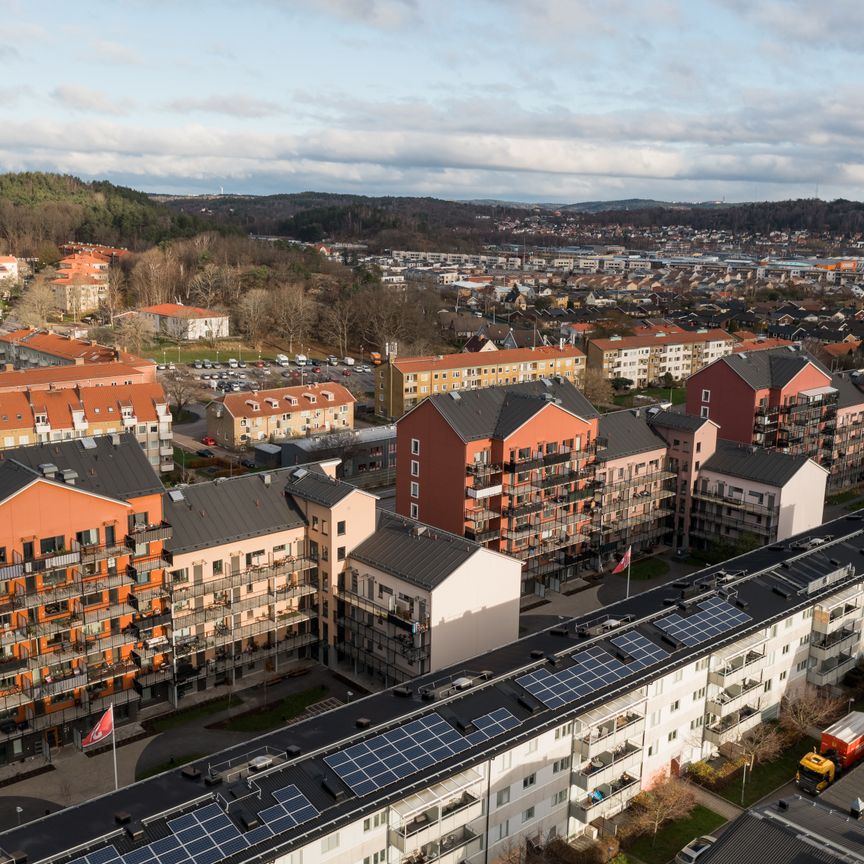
point(167, 766)
point(846, 497)
point(275, 715)
point(170, 352)
point(672, 838)
point(765, 778)
point(647, 568)
point(189, 715)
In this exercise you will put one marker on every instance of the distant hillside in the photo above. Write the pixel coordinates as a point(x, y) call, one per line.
point(38, 210)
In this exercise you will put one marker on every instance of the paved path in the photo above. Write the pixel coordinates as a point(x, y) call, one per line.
point(714, 802)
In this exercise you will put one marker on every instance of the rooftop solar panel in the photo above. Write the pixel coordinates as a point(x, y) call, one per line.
point(714, 618)
point(396, 754)
point(642, 651)
point(490, 725)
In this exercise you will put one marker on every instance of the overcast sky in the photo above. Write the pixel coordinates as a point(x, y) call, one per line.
point(536, 100)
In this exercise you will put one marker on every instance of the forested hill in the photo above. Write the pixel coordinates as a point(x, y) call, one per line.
point(39, 210)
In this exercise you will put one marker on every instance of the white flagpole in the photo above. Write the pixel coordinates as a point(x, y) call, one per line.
point(114, 747)
point(629, 559)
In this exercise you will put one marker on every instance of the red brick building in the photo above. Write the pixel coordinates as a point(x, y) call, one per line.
point(507, 466)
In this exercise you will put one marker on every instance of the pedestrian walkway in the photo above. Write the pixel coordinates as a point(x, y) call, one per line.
point(715, 802)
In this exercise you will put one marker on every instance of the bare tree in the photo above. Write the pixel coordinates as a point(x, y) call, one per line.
point(181, 391)
point(208, 285)
point(668, 800)
point(36, 305)
point(114, 300)
point(597, 387)
point(293, 312)
point(339, 320)
point(254, 315)
point(804, 709)
point(133, 333)
point(763, 743)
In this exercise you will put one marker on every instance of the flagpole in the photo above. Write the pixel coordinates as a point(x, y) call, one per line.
point(629, 558)
point(114, 747)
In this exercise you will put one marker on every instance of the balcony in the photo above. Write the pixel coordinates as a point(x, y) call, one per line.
point(606, 799)
point(824, 647)
point(60, 558)
point(400, 616)
point(828, 620)
point(148, 534)
point(283, 567)
point(93, 553)
point(56, 686)
point(832, 670)
point(608, 732)
point(734, 671)
point(141, 569)
point(482, 489)
point(482, 536)
point(454, 847)
point(436, 822)
point(605, 766)
point(733, 726)
point(728, 701)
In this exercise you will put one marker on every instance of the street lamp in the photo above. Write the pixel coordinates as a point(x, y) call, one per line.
point(19, 810)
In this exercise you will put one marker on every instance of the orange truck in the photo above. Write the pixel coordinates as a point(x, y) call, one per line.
point(375, 358)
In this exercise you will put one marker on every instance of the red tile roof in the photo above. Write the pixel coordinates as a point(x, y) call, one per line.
point(59, 377)
point(238, 403)
point(760, 344)
point(178, 310)
point(73, 350)
point(486, 358)
point(684, 338)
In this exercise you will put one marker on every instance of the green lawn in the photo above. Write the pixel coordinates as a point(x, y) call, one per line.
point(188, 715)
point(169, 352)
point(846, 497)
point(672, 838)
point(767, 777)
point(275, 715)
point(647, 568)
point(167, 766)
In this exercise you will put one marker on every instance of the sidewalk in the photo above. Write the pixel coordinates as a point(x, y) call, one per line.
point(714, 802)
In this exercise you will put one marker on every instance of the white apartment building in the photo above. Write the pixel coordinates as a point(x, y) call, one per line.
point(547, 735)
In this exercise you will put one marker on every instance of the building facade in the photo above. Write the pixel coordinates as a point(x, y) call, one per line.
point(186, 323)
point(401, 383)
point(550, 736)
point(244, 419)
point(645, 360)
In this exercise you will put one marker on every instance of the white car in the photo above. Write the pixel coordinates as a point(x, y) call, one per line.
point(695, 849)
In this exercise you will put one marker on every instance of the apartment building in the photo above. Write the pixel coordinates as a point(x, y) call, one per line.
point(644, 360)
point(786, 400)
point(61, 377)
point(43, 416)
point(402, 383)
point(186, 323)
point(29, 348)
point(243, 419)
point(507, 467)
point(83, 617)
point(8, 268)
point(81, 283)
point(550, 735)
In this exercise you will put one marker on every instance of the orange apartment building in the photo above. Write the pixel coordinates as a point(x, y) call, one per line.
point(402, 383)
point(510, 467)
point(81, 283)
point(84, 620)
point(61, 377)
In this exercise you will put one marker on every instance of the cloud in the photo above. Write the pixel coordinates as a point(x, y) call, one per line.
point(236, 105)
point(79, 98)
point(380, 14)
point(115, 53)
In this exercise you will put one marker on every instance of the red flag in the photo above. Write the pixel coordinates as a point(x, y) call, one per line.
point(624, 563)
point(101, 730)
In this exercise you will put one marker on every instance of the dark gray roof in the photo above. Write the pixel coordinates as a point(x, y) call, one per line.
point(225, 510)
point(118, 470)
point(848, 386)
point(774, 367)
point(677, 420)
point(312, 484)
point(417, 553)
point(495, 412)
point(14, 477)
point(627, 432)
point(754, 463)
point(805, 832)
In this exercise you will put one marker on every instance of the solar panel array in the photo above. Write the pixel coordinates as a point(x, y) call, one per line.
point(640, 648)
point(490, 725)
point(207, 835)
point(715, 617)
point(396, 754)
point(592, 669)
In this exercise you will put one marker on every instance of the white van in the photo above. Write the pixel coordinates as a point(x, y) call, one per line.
point(348, 361)
point(232, 363)
point(301, 359)
point(282, 360)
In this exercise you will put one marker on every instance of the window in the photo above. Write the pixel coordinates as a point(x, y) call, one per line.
point(695, 724)
point(559, 797)
point(415, 489)
point(562, 731)
point(415, 511)
point(561, 765)
point(785, 649)
point(675, 706)
point(672, 735)
point(315, 522)
point(801, 666)
point(767, 685)
point(704, 412)
point(501, 831)
point(330, 842)
point(340, 553)
point(678, 677)
point(706, 395)
point(783, 675)
point(415, 446)
point(415, 468)
point(529, 781)
point(532, 745)
point(527, 815)
point(702, 664)
point(377, 858)
point(374, 821)
point(698, 694)
point(503, 797)
point(340, 528)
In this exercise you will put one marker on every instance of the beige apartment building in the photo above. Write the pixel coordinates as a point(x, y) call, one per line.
point(644, 360)
point(403, 382)
point(243, 419)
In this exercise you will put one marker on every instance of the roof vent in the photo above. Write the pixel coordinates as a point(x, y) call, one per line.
point(267, 479)
point(176, 495)
point(115, 440)
point(299, 474)
point(455, 396)
point(69, 475)
point(48, 469)
point(362, 722)
point(88, 443)
point(856, 808)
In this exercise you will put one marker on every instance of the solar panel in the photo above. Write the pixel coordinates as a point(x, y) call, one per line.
point(641, 649)
point(592, 669)
point(490, 725)
point(715, 617)
point(396, 754)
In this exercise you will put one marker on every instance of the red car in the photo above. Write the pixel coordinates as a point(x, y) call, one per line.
point(346, 372)
point(209, 441)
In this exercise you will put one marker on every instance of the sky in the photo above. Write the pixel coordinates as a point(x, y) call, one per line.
point(529, 100)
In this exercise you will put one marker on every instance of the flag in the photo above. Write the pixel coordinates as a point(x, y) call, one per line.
point(101, 730)
point(624, 563)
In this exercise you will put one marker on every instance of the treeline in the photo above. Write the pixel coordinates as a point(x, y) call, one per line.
point(40, 211)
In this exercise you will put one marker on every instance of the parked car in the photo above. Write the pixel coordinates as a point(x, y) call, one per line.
point(260, 364)
point(695, 849)
point(247, 463)
point(346, 372)
point(204, 453)
point(209, 441)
